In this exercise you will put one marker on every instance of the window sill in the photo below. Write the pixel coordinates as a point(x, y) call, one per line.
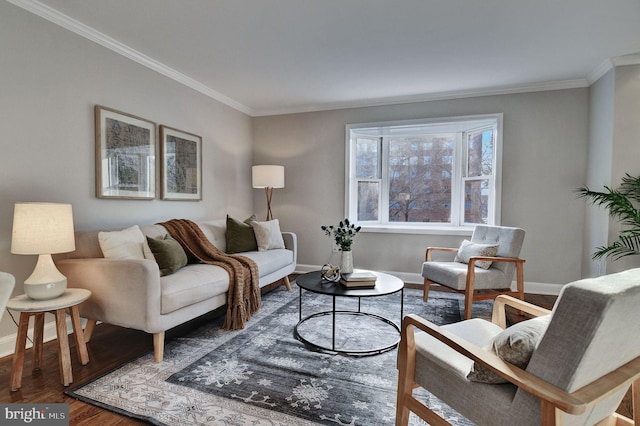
point(418, 229)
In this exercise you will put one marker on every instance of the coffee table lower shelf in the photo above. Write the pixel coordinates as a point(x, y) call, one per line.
point(332, 349)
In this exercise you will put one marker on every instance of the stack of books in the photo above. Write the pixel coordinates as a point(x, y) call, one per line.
point(359, 279)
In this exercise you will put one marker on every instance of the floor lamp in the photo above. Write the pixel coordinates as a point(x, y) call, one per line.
point(268, 177)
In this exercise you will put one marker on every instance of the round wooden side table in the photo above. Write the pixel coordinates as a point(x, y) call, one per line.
point(58, 306)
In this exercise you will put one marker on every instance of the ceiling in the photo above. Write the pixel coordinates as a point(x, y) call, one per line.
point(277, 56)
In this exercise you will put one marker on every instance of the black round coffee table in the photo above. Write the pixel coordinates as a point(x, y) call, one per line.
point(385, 284)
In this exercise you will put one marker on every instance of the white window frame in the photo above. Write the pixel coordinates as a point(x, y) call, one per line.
point(457, 225)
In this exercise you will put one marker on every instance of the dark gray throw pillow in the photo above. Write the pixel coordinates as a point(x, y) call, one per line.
point(169, 254)
point(240, 235)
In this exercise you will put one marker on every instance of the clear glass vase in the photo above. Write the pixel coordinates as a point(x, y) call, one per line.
point(346, 262)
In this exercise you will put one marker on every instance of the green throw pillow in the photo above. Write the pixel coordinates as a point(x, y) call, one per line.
point(240, 235)
point(169, 254)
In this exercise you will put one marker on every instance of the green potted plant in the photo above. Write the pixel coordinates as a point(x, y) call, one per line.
point(622, 204)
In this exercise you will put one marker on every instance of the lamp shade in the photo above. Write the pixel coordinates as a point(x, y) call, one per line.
point(42, 228)
point(267, 176)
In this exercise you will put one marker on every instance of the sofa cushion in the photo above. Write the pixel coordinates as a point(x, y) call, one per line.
point(270, 261)
point(240, 235)
point(169, 254)
point(454, 275)
point(191, 284)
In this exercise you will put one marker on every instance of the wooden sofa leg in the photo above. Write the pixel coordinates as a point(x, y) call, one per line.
point(88, 330)
point(158, 346)
point(287, 284)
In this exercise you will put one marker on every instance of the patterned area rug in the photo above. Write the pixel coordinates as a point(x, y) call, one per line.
point(262, 375)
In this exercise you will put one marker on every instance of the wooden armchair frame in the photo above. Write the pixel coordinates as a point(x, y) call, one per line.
point(470, 294)
point(553, 399)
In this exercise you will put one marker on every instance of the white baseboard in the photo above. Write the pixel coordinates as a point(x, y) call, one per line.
point(413, 278)
point(8, 343)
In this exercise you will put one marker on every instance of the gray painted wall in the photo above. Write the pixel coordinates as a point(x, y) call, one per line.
point(545, 155)
point(50, 80)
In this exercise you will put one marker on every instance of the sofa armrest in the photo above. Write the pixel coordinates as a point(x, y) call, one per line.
point(123, 292)
point(291, 243)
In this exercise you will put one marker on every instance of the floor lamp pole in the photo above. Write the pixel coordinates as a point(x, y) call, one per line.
point(268, 191)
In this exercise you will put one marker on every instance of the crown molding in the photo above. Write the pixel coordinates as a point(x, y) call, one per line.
point(611, 63)
point(428, 97)
point(110, 43)
point(633, 59)
point(598, 72)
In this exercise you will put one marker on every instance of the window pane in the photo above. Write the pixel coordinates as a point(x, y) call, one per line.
point(368, 193)
point(480, 153)
point(420, 170)
point(476, 201)
point(367, 158)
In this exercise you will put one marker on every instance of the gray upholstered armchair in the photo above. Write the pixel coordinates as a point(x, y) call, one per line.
point(574, 364)
point(487, 262)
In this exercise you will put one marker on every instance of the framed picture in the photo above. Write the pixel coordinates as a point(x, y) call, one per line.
point(181, 165)
point(125, 155)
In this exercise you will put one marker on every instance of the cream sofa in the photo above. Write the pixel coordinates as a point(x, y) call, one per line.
point(132, 294)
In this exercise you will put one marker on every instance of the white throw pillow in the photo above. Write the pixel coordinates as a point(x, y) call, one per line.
point(268, 235)
point(468, 250)
point(129, 243)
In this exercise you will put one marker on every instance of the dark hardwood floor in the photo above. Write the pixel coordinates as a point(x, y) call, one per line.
point(110, 347)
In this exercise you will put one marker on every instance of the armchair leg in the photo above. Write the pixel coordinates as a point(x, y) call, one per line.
point(468, 303)
point(406, 370)
point(468, 293)
point(520, 280)
point(427, 286)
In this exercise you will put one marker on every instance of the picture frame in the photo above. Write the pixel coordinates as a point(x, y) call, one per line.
point(125, 155)
point(180, 165)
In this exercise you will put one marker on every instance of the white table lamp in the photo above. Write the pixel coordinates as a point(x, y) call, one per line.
point(43, 229)
point(268, 177)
